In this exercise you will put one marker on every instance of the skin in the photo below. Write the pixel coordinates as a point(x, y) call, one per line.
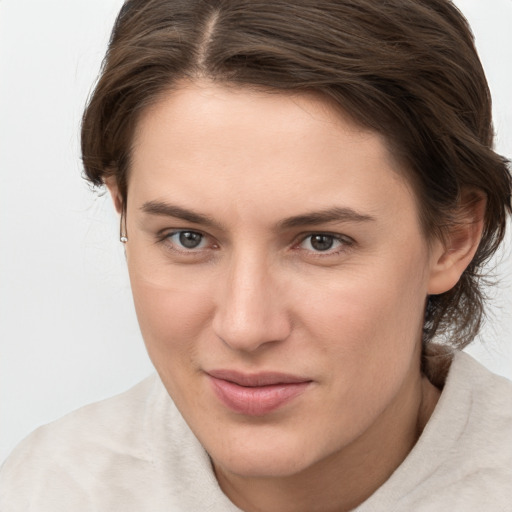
point(257, 295)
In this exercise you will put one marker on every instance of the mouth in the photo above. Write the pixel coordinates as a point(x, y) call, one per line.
point(256, 394)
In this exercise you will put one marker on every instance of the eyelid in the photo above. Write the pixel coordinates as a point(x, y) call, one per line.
point(346, 242)
point(164, 237)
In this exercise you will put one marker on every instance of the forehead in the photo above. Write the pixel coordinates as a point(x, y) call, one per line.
point(254, 111)
point(256, 147)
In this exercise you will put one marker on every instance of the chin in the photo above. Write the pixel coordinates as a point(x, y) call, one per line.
point(261, 458)
point(268, 466)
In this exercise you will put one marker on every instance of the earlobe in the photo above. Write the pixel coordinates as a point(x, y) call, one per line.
point(111, 184)
point(452, 256)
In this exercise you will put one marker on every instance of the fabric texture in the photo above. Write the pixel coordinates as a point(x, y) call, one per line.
point(135, 453)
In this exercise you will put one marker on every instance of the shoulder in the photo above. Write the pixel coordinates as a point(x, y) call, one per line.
point(60, 458)
point(467, 445)
point(471, 390)
point(479, 405)
point(131, 452)
point(463, 458)
point(486, 398)
point(102, 423)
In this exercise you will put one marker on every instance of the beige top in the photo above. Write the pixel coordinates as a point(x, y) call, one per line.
point(134, 453)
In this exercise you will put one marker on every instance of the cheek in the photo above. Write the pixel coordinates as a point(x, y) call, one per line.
point(172, 318)
point(366, 329)
point(368, 317)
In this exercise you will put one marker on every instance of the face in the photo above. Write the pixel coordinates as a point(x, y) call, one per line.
point(279, 273)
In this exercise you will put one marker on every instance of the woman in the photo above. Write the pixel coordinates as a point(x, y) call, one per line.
point(307, 194)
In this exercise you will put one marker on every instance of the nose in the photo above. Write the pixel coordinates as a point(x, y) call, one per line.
point(251, 311)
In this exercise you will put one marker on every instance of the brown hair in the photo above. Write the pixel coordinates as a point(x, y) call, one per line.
point(405, 68)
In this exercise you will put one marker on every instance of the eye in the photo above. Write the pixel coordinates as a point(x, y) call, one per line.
point(187, 240)
point(320, 242)
point(324, 243)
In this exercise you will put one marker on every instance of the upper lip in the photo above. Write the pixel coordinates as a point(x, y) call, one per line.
point(256, 379)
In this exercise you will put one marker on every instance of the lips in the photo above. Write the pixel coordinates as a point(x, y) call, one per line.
point(256, 394)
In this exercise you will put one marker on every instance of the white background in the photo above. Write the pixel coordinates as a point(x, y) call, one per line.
point(68, 333)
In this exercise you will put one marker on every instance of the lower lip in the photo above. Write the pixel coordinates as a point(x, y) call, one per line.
point(256, 401)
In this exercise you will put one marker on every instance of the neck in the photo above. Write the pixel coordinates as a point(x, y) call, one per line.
point(346, 478)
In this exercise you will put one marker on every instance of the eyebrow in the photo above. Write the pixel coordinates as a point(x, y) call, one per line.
point(335, 214)
point(171, 210)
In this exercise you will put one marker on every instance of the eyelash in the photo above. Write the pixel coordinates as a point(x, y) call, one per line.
point(166, 240)
point(345, 243)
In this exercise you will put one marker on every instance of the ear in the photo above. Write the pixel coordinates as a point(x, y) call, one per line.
point(452, 255)
point(113, 188)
